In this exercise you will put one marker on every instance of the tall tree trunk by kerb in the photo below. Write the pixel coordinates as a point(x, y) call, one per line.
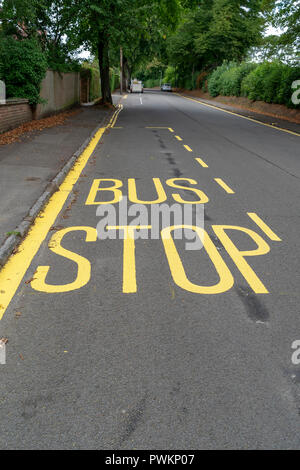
point(125, 74)
point(127, 71)
point(104, 68)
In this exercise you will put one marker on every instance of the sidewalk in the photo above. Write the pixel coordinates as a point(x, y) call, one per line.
point(27, 167)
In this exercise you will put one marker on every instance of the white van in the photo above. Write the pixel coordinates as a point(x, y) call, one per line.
point(136, 86)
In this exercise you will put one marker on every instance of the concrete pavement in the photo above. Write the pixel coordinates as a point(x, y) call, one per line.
point(27, 167)
point(166, 348)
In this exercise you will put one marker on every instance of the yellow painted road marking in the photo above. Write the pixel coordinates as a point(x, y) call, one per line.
point(178, 138)
point(159, 127)
point(125, 97)
point(201, 162)
point(226, 280)
point(188, 148)
point(264, 227)
point(95, 189)
point(129, 264)
point(173, 183)
point(224, 186)
point(115, 116)
point(83, 265)
point(14, 270)
point(238, 256)
point(240, 115)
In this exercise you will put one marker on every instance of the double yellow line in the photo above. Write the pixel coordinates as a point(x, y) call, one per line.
point(115, 116)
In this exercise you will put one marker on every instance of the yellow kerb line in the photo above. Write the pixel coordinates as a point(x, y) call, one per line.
point(178, 138)
point(15, 269)
point(224, 186)
point(264, 227)
point(201, 162)
point(239, 115)
point(188, 148)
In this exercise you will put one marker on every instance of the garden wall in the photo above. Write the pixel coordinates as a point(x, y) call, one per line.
point(14, 113)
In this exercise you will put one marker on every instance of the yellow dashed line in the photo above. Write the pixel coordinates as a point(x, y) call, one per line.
point(201, 162)
point(224, 186)
point(178, 138)
point(188, 148)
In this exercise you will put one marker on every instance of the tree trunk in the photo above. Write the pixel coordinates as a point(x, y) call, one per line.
point(127, 70)
point(125, 74)
point(104, 69)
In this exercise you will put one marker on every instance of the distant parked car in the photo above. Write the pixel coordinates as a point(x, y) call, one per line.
point(166, 87)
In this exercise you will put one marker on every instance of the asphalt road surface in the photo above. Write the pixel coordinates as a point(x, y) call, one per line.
point(143, 343)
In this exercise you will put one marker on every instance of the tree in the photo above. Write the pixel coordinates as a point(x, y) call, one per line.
point(22, 66)
point(215, 30)
point(43, 20)
point(102, 26)
point(105, 25)
point(286, 16)
point(146, 35)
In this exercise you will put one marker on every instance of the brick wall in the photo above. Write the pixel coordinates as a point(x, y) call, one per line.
point(14, 113)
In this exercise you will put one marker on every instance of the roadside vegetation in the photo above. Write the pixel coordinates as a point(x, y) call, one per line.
point(269, 81)
point(222, 47)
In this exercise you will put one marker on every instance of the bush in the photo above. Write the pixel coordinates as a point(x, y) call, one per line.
point(92, 74)
point(284, 94)
point(170, 76)
point(151, 83)
point(230, 81)
point(22, 67)
point(271, 82)
point(215, 79)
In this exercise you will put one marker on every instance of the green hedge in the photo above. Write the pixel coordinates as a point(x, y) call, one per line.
point(169, 76)
point(114, 79)
point(151, 83)
point(93, 75)
point(270, 81)
point(231, 79)
point(92, 72)
point(22, 67)
point(227, 79)
point(215, 79)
